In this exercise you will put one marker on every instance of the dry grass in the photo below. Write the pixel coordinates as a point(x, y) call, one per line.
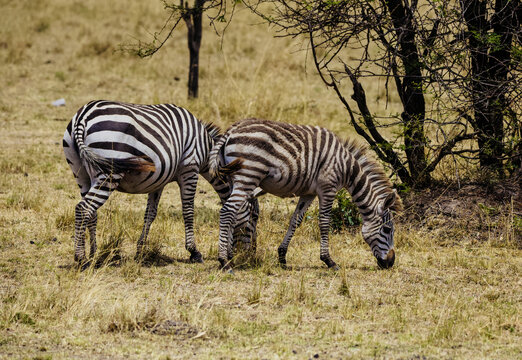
point(461, 300)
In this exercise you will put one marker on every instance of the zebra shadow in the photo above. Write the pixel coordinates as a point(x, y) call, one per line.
point(115, 259)
point(155, 259)
point(322, 267)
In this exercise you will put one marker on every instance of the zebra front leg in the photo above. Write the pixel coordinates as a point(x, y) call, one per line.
point(325, 208)
point(295, 221)
point(187, 186)
point(150, 215)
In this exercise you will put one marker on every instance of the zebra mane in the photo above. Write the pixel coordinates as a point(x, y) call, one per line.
point(213, 130)
point(369, 164)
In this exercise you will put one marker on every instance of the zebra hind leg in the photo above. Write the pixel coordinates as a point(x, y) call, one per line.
point(325, 207)
point(187, 186)
point(85, 212)
point(295, 221)
point(150, 215)
point(91, 225)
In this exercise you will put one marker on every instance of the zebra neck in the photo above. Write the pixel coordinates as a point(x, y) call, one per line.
point(366, 187)
point(366, 202)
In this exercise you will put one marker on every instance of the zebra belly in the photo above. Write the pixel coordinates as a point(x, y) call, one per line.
point(141, 183)
point(276, 187)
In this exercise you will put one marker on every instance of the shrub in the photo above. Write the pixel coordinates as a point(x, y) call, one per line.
point(345, 214)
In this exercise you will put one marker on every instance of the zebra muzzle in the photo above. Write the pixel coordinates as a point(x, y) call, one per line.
point(388, 261)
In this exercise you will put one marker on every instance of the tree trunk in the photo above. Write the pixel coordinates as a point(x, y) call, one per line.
point(193, 19)
point(412, 96)
point(490, 57)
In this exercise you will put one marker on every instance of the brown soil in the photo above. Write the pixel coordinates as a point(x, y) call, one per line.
point(473, 212)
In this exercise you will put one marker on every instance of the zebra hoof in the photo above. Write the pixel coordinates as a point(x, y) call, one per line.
point(138, 258)
point(334, 267)
point(225, 266)
point(196, 257)
point(84, 266)
point(329, 262)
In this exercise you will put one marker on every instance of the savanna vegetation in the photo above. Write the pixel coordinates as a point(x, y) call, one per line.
point(454, 292)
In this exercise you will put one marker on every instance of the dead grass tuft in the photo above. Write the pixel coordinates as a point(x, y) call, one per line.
point(96, 48)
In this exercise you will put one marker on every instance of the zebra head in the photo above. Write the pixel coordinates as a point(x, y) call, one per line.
point(378, 232)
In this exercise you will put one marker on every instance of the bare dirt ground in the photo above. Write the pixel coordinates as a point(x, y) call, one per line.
point(471, 212)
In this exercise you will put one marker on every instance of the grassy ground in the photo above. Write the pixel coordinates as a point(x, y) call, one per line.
point(461, 300)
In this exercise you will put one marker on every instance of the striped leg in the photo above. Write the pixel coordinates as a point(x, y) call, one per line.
point(187, 186)
point(295, 221)
point(326, 199)
point(91, 225)
point(245, 227)
point(86, 209)
point(227, 218)
point(150, 215)
point(253, 226)
point(251, 233)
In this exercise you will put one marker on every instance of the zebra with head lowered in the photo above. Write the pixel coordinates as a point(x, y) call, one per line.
point(295, 160)
point(140, 149)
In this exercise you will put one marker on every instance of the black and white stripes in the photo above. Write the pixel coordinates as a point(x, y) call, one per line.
point(305, 161)
point(140, 149)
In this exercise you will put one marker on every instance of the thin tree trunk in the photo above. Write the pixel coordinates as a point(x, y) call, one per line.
point(489, 69)
point(193, 19)
point(499, 59)
point(413, 97)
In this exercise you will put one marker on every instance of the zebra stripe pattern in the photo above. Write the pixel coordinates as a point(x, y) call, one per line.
point(140, 149)
point(294, 160)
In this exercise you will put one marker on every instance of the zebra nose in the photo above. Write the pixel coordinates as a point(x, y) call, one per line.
point(388, 262)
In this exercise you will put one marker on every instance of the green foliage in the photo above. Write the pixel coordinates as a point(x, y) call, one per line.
point(516, 53)
point(345, 214)
point(24, 318)
point(517, 223)
point(60, 75)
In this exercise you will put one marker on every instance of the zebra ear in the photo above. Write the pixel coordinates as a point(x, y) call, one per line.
point(387, 203)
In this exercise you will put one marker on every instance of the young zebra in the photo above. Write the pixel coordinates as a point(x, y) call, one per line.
point(140, 149)
point(294, 160)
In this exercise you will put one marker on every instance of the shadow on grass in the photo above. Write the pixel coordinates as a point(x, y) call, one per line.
point(114, 258)
point(247, 260)
point(244, 260)
point(156, 259)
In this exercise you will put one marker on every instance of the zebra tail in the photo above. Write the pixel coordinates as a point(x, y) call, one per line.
point(215, 168)
point(214, 158)
point(106, 165)
point(114, 165)
point(231, 168)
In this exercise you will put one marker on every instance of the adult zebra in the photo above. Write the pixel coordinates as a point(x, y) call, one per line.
point(305, 161)
point(140, 149)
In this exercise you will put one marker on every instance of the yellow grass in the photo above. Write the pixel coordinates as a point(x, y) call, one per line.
point(457, 301)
